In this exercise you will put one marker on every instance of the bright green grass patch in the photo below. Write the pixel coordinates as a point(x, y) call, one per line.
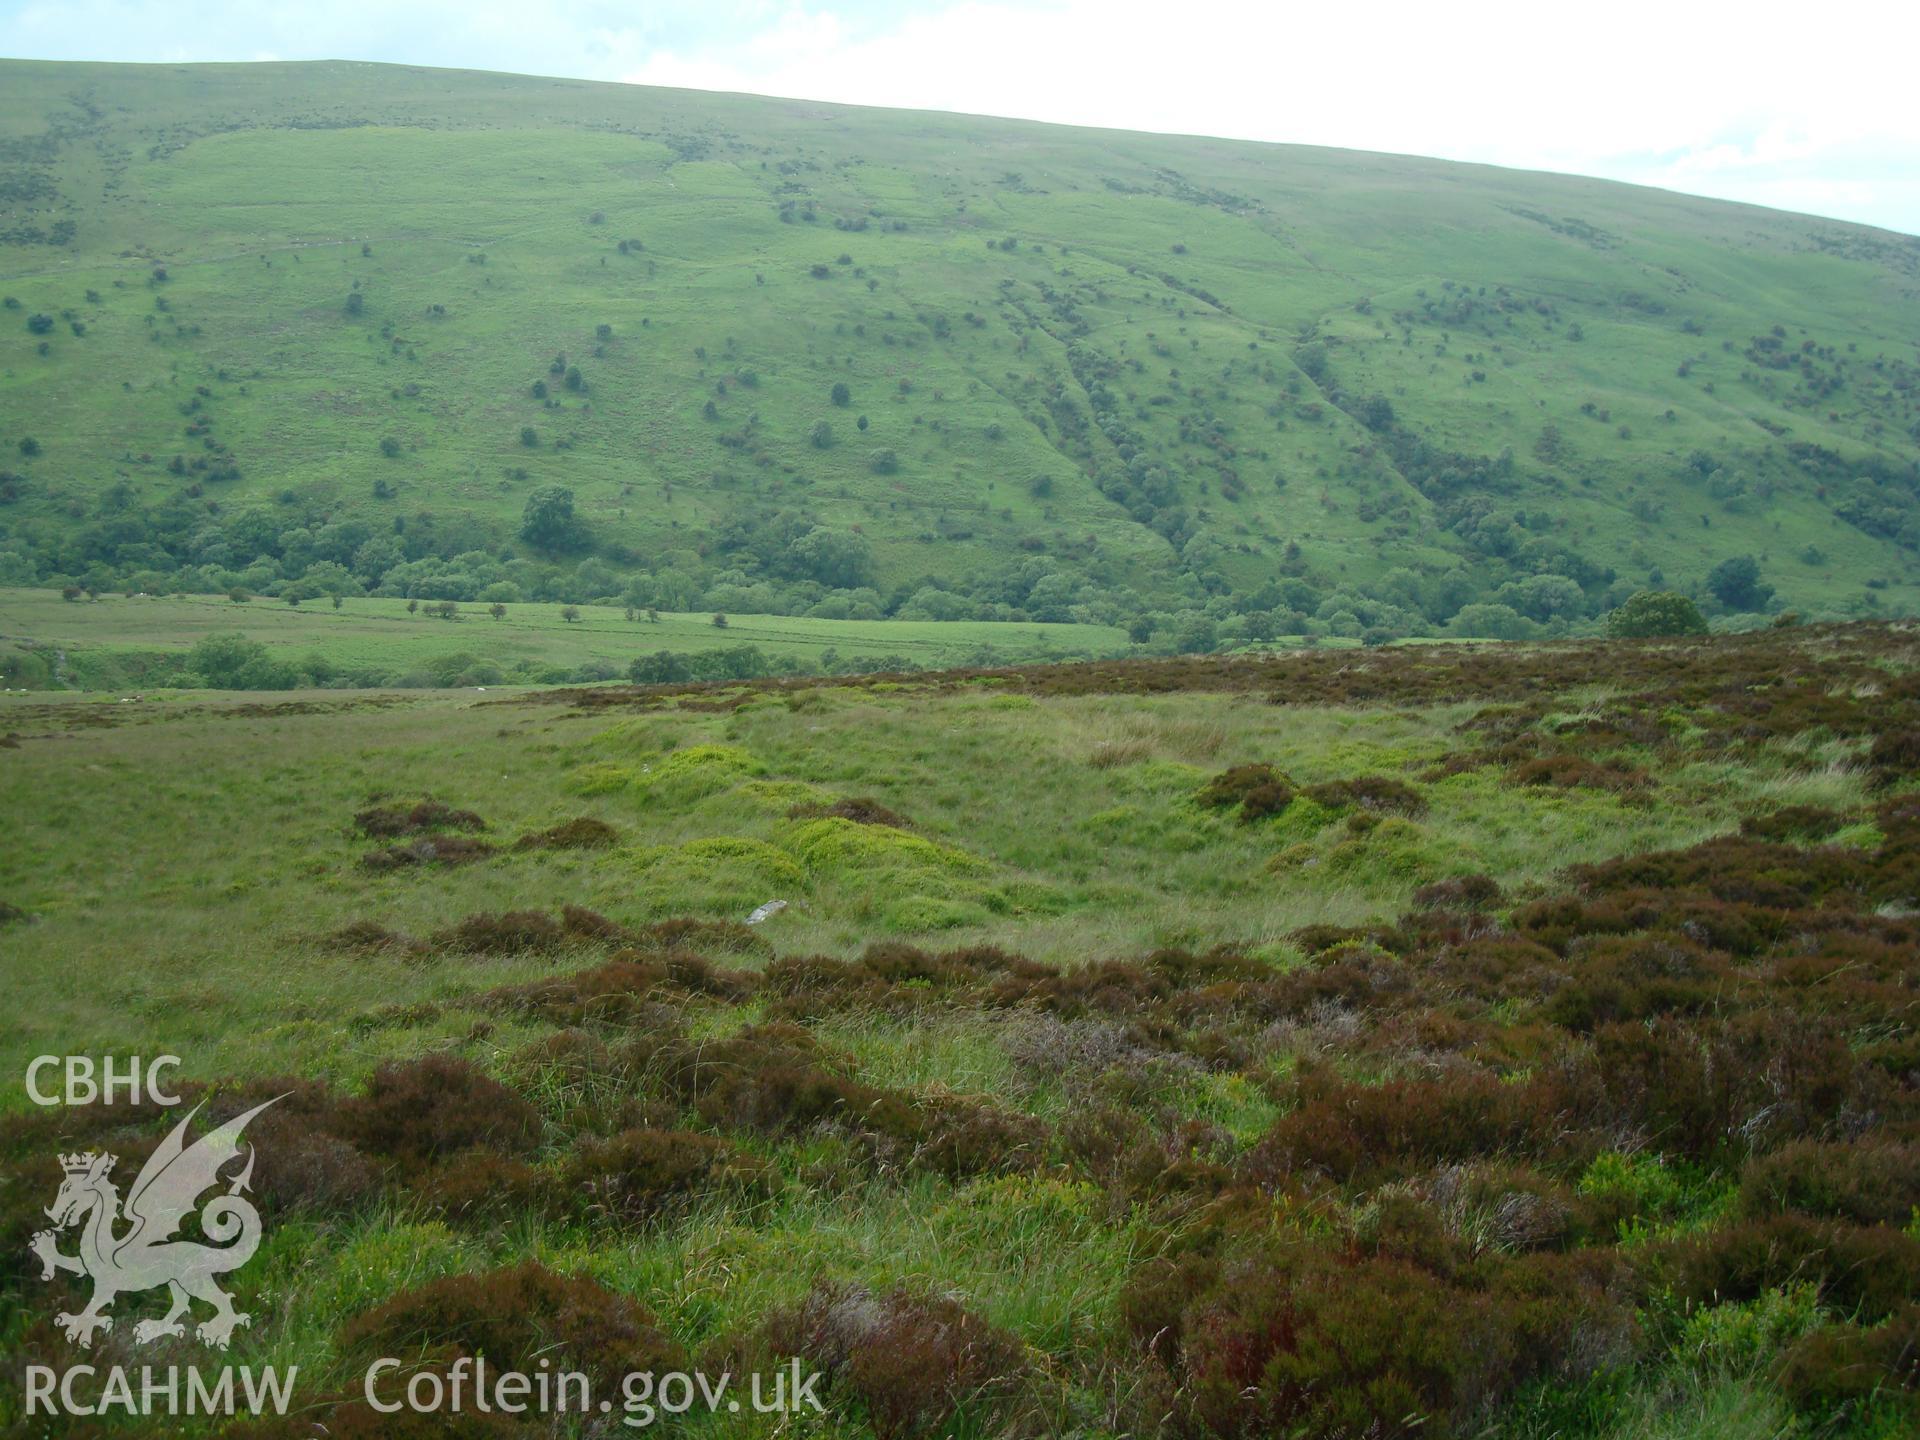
point(700, 770)
point(917, 885)
point(602, 778)
point(682, 776)
point(1666, 1200)
point(1744, 1337)
point(720, 873)
point(779, 796)
point(833, 847)
point(1400, 852)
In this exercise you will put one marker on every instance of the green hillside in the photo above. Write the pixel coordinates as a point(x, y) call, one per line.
point(335, 326)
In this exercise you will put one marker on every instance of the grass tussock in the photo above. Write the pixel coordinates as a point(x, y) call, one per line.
point(391, 822)
point(582, 833)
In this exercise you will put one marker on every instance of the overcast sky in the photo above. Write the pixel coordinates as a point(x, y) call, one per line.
point(1806, 110)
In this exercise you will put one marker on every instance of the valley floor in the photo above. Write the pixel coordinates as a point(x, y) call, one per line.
point(129, 642)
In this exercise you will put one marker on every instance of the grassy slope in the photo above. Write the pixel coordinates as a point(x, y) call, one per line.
point(149, 636)
point(257, 187)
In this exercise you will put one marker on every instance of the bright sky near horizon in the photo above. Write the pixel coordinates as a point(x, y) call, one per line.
point(1803, 112)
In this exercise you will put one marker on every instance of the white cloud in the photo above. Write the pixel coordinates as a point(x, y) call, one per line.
point(1655, 93)
point(1744, 103)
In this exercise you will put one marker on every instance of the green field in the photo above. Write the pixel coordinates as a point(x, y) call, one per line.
point(116, 641)
point(1532, 1025)
point(291, 318)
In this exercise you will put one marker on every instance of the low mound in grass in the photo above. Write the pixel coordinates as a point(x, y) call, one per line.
point(705, 767)
point(583, 833)
point(834, 845)
point(389, 822)
point(1398, 850)
point(860, 810)
point(688, 774)
point(719, 872)
point(1256, 791)
point(427, 850)
point(781, 797)
point(916, 884)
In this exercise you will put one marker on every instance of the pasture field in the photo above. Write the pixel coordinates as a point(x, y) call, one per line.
point(146, 640)
point(1508, 1041)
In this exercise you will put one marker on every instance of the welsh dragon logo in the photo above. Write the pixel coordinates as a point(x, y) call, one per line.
point(125, 1249)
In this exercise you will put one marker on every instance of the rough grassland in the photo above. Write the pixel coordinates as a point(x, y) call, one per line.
point(1186, 1047)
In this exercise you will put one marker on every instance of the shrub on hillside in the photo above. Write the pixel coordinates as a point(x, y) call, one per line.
point(1868, 1272)
point(1358, 1133)
point(427, 850)
point(305, 1160)
point(1462, 892)
point(549, 521)
point(1895, 756)
point(1801, 824)
point(1844, 1366)
point(516, 932)
point(861, 811)
point(1566, 772)
point(1736, 583)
